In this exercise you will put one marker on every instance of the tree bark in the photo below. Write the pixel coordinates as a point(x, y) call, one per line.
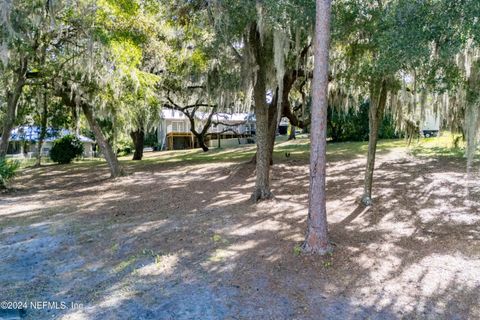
point(472, 121)
point(138, 138)
point(262, 181)
point(316, 240)
point(191, 118)
point(378, 100)
point(272, 129)
point(292, 133)
point(43, 128)
point(288, 81)
point(201, 141)
point(12, 105)
point(115, 168)
point(201, 135)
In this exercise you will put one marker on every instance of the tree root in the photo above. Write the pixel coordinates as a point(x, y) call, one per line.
point(317, 250)
point(121, 173)
point(261, 194)
point(367, 201)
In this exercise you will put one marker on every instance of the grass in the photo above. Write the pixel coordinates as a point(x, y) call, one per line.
point(298, 149)
point(238, 153)
point(125, 264)
point(442, 146)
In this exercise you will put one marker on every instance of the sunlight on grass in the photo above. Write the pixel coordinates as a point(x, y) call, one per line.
point(25, 163)
point(444, 145)
point(298, 149)
point(241, 152)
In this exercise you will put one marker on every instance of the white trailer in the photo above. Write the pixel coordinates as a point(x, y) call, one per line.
point(431, 124)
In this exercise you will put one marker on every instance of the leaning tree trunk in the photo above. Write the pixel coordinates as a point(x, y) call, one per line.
point(262, 181)
point(12, 105)
point(316, 240)
point(201, 141)
point(201, 135)
point(115, 168)
point(43, 129)
point(138, 138)
point(378, 99)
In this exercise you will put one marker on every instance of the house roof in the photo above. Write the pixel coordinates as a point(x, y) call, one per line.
point(171, 114)
point(235, 117)
point(32, 133)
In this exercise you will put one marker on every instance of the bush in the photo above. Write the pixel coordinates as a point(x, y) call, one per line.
point(353, 125)
point(8, 170)
point(124, 151)
point(66, 149)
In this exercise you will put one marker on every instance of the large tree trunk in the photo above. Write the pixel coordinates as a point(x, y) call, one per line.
point(288, 81)
point(262, 181)
point(378, 99)
point(115, 168)
point(138, 138)
point(272, 132)
point(472, 121)
point(316, 240)
point(12, 106)
point(43, 129)
point(262, 161)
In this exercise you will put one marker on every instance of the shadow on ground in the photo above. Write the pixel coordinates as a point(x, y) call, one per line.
point(173, 241)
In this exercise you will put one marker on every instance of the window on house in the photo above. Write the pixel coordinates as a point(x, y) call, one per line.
point(178, 126)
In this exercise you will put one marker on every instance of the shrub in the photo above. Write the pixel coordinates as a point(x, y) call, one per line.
point(66, 149)
point(353, 125)
point(8, 170)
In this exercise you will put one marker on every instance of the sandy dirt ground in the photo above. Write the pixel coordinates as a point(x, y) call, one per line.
point(183, 241)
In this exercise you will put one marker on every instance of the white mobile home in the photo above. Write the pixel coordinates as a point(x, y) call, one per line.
point(23, 142)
